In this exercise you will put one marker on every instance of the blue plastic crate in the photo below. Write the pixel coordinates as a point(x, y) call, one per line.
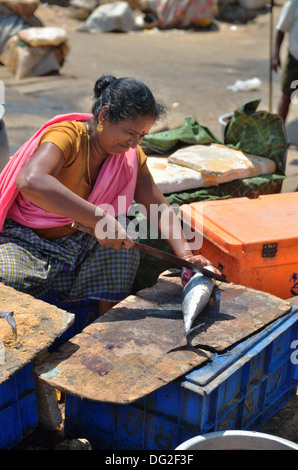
point(240, 389)
point(295, 350)
point(85, 311)
point(18, 410)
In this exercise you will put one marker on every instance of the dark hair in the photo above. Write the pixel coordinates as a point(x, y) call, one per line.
point(126, 98)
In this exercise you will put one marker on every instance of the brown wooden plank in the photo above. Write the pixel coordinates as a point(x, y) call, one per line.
point(138, 346)
point(125, 355)
point(236, 313)
point(38, 325)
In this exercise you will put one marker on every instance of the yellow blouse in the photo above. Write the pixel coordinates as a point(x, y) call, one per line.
point(71, 137)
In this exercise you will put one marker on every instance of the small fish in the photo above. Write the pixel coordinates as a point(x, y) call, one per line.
point(195, 296)
point(9, 317)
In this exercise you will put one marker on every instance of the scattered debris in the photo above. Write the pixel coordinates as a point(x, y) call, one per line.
point(240, 11)
point(35, 51)
point(81, 9)
point(246, 85)
point(116, 16)
point(183, 14)
point(25, 58)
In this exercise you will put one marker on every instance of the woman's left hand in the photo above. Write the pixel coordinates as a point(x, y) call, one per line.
point(202, 262)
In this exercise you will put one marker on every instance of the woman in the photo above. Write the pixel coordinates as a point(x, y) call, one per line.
point(87, 168)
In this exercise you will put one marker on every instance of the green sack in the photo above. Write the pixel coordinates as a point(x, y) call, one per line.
point(190, 133)
point(259, 133)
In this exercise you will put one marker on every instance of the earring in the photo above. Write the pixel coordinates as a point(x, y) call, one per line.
point(99, 126)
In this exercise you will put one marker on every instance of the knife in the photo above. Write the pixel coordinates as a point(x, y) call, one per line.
point(160, 254)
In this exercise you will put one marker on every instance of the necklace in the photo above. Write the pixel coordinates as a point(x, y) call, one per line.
point(88, 155)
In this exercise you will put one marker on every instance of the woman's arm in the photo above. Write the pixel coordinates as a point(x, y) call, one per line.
point(37, 182)
point(275, 60)
point(148, 195)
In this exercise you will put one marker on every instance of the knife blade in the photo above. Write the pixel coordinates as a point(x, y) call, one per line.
point(173, 259)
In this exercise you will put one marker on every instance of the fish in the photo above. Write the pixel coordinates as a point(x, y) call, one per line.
point(195, 296)
point(10, 318)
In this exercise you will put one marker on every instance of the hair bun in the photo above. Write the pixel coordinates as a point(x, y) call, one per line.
point(103, 82)
point(124, 98)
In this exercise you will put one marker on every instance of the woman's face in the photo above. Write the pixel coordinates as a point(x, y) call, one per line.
point(120, 137)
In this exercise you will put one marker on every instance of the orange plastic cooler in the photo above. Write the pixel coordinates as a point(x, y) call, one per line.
point(253, 241)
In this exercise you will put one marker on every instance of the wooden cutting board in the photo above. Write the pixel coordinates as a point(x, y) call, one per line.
point(38, 325)
point(138, 346)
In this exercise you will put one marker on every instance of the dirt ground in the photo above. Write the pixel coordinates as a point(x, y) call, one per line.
point(189, 71)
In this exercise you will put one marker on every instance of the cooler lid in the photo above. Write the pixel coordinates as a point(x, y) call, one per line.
point(244, 223)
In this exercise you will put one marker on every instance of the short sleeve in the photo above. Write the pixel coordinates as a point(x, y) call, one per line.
point(65, 136)
point(287, 17)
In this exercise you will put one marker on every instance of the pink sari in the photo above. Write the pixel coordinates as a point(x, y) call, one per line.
point(116, 182)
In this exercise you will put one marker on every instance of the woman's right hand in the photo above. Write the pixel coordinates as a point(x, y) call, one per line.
point(110, 233)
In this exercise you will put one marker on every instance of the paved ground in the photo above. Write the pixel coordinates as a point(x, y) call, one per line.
point(189, 71)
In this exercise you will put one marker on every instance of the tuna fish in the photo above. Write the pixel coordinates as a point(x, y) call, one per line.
point(195, 296)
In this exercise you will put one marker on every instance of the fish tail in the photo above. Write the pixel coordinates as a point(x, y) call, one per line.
point(194, 328)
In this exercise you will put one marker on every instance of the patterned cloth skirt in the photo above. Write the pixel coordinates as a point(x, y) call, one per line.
point(76, 265)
